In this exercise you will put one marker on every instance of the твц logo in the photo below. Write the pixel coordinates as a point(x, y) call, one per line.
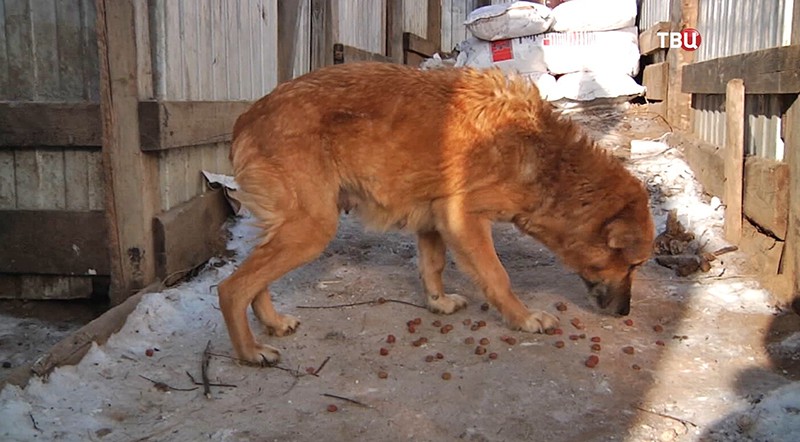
point(688, 39)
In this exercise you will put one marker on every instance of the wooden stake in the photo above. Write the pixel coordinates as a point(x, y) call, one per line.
point(734, 159)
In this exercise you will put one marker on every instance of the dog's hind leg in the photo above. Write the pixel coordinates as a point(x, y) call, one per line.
point(432, 254)
point(299, 239)
point(470, 238)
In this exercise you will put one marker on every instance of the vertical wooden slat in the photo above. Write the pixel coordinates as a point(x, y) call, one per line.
point(130, 195)
point(288, 20)
point(219, 70)
point(39, 177)
point(245, 43)
point(95, 178)
point(8, 194)
point(734, 159)
point(232, 49)
point(144, 59)
point(3, 53)
point(174, 63)
point(395, 24)
point(324, 32)
point(70, 49)
point(434, 23)
point(792, 120)
point(76, 178)
point(19, 43)
point(158, 47)
point(89, 60)
point(45, 36)
point(447, 25)
point(189, 48)
point(205, 51)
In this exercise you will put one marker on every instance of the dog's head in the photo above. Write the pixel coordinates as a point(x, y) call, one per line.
point(607, 265)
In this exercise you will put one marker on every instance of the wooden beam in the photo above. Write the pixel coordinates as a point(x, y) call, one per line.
point(768, 71)
point(705, 160)
point(434, 26)
point(734, 159)
point(415, 43)
point(395, 10)
point(679, 104)
point(792, 121)
point(655, 79)
point(766, 194)
point(649, 41)
point(170, 124)
point(131, 196)
point(45, 287)
point(324, 32)
point(26, 124)
point(348, 54)
point(288, 21)
point(53, 242)
point(191, 233)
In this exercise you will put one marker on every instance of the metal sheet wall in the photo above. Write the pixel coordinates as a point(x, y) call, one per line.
point(652, 12)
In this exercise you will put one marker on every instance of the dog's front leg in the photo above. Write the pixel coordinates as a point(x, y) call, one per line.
point(432, 254)
point(470, 238)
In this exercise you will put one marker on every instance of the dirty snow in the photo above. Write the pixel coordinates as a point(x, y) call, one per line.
point(696, 374)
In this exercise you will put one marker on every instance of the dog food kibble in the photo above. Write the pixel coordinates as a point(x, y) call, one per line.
point(596, 347)
point(417, 321)
point(469, 341)
point(582, 336)
point(558, 331)
point(595, 339)
point(447, 328)
point(574, 337)
point(332, 408)
point(429, 358)
point(560, 306)
point(592, 361)
point(384, 351)
point(636, 367)
point(446, 376)
point(439, 356)
point(485, 306)
point(492, 355)
point(484, 341)
point(390, 339)
point(480, 350)
point(474, 327)
point(559, 344)
point(481, 323)
point(412, 329)
point(467, 321)
point(627, 350)
point(628, 322)
point(576, 323)
point(660, 343)
point(550, 331)
point(149, 352)
point(419, 342)
point(436, 323)
point(511, 340)
point(658, 328)
point(383, 375)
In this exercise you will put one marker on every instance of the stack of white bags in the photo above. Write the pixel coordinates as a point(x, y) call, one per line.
point(591, 46)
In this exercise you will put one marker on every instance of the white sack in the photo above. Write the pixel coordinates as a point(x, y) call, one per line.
point(521, 55)
point(594, 15)
point(609, 51)
point(588, 86)
point(509, 20)
point(545, 82)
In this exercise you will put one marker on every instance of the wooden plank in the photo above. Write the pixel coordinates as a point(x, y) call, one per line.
point(288, 21)
point(205, 53)
point(8, 187)
point(413, 59)
point(76, 178)
point(245, 43)
point(434, 23)
point(174, 69)
point(768, 71)
point(43, 287)
point(734, 159)
point(704, 159)
point(324, 32)
point(348, 54)
point(45, 43)
point(679, 104)
point(419, 45)
point(191, 233)
point(656, 79)
point(394, 30)
point(89, 57)
point(171, 124)
point(791, 263)
point(96, 185)
point(26, 124)
point(219, 69)
point(129, 173)
point(70, 49)
point(649, 41)
point(232, 51)
point(764, 251)
point(30, 245)
point(144, 58)
point(3, 55)
point(19, 44)
point(766, 194)
point(39, 179)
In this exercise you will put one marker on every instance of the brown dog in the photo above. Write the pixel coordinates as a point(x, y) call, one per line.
point(442, 154)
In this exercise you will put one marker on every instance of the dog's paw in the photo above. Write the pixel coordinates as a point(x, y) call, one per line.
point(286, 325)
point(538, 322)
point(261, 354)
point(446, 303)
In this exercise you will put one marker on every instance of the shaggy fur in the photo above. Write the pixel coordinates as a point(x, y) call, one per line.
point(442, 154)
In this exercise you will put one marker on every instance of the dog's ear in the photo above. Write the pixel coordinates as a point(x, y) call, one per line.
point(622, 236)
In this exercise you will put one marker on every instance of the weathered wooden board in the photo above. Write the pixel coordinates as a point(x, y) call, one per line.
point(649, 41)
point(766, 194)
point(41, 287)
point(8, 187)
point(348, 54)
point(419, 45)
point(734, 159)
point(53, 242)
point(39, 179)
point(50, 124)
point(768, 71)
point(656, 79)
point(191, 233)
point(171, 124)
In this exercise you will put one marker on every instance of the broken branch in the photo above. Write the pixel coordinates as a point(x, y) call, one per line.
point(355, 304)
point(346, 399)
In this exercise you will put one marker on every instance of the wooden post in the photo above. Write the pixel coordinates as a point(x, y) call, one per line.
point(394, 30)
point(288, 20)
point(683, 14)
point(734, 159)
point(129, 174)
point(324, 32)
point(792, 145)
point(434, 28)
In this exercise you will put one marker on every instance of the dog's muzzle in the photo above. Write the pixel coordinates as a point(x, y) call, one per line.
point(608, 296)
